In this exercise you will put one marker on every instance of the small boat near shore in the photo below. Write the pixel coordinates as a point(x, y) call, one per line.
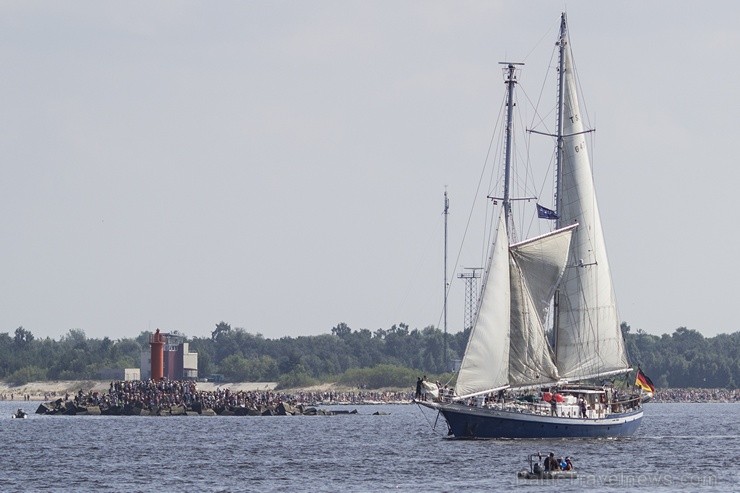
point(19, 414)
point(538, 471)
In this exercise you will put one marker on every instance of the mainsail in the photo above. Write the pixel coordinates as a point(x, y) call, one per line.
point(485, 365)
point(507, 346)
point(588, 336)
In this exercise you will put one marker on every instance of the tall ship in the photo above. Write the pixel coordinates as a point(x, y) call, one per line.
point(513, 382)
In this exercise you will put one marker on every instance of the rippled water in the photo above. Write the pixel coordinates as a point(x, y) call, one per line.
point(679, 447)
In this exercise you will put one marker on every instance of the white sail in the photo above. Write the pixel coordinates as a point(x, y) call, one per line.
point(536, 268)
point(588, 337)
point(485, 365)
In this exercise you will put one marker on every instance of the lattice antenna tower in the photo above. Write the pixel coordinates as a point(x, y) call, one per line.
point(471, 294)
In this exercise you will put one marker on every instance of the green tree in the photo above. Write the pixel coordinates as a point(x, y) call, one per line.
point(23, 338)
point(221, 329)
point(27, 374)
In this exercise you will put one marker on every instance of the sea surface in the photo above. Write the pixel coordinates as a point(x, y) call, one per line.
point(679, 447)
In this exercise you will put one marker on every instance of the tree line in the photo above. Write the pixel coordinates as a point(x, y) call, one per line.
point(385, 357)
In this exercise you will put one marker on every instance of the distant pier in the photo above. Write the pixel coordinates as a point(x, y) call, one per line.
point(182, 398)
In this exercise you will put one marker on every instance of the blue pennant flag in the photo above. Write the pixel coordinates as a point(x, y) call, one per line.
point(545, 213)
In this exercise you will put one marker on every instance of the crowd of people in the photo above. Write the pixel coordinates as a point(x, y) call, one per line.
point(150, 394)
point(12, 397)
point(696, 395)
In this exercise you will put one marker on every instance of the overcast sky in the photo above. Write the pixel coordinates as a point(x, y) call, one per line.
point(281, 165)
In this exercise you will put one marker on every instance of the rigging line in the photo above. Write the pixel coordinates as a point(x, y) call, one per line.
point(529, 181)
point(472, 207)
point(433, 427)
point(581, 98)
point(539, 192)
point(517, 156)
point(526, 156)
point(546, 35)
point(542, 118)
point(521, 180)
point(555, 52)
point(542, 121)
point(488, 221)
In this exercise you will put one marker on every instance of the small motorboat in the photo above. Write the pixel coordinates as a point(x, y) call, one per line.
point(20, 414)
point(544, 471)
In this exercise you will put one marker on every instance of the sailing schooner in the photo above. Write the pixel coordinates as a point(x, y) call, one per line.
point(512, 383)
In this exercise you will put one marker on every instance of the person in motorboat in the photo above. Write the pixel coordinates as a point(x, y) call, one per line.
point(551, 463)
point(552, 468)
point(20, 413)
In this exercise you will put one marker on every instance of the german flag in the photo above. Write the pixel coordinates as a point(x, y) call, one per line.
point(643, 381)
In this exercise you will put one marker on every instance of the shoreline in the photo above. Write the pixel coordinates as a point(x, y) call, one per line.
point(54, 389)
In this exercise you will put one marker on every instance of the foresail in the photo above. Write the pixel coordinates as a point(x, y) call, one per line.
point(588, 337)
point(485, 365)
point(536, 268)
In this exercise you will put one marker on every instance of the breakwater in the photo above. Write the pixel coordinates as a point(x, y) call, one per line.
point(179, 398)
point(696, 395)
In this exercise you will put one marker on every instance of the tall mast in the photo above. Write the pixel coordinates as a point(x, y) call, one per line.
point(562, 45)
point(510, 81)
point(446, 213)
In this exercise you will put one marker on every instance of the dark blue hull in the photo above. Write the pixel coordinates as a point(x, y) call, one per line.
point(475, 422)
